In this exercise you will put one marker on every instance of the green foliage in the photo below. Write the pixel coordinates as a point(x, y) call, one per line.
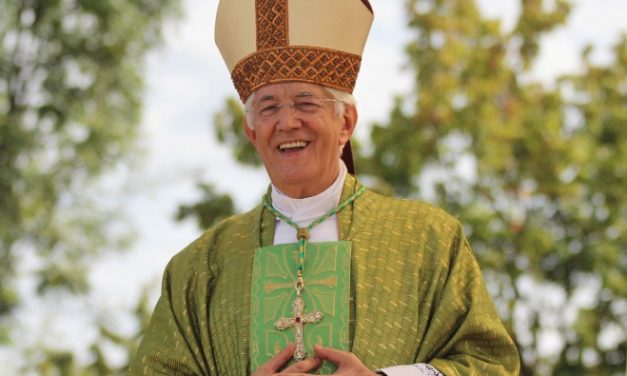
point(534, 21)
point(229, 130)
point(535, 174)
point(46, 361)
point(228, 125)
point(70, 92)
point(211, 209)
point(70, 105)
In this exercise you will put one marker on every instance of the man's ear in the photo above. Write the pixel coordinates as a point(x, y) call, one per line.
point(349, 123)
point(250, 132)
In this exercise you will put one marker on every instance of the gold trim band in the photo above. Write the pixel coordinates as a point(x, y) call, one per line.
point(321, 66)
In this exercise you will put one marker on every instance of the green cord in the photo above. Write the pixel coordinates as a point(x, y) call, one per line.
point(303, 232)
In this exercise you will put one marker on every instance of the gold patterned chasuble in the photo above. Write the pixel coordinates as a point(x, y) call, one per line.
point(416, 295)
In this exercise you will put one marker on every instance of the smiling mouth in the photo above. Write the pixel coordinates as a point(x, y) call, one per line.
point(293, 146)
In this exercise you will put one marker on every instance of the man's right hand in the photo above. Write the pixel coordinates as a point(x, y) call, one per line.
point(277, 363)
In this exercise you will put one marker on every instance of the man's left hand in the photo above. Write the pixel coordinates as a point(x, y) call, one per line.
point(347, 363)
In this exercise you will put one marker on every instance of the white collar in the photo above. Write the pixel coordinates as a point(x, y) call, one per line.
point(305, 210)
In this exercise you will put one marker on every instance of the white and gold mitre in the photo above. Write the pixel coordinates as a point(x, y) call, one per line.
point(270, 41)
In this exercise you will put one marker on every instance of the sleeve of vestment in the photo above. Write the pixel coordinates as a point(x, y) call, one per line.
point(173, 342)
point(465, 332)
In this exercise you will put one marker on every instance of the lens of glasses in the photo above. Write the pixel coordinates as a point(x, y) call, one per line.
point(303, 106)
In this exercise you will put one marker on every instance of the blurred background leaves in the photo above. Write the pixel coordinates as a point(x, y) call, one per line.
point(70, 104)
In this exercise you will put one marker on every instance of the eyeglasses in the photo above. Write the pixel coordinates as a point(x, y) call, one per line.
point(302, 106)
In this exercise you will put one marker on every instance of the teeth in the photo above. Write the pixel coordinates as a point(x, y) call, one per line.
point(291, 145)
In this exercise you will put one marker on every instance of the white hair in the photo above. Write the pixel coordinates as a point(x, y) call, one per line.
point(343, 99)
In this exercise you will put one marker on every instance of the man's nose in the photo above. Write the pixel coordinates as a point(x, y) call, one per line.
point(288, 118)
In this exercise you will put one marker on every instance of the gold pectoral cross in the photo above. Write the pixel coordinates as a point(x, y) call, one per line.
point(298, 321)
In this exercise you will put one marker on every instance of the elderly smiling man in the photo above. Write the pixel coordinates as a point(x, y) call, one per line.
point(324, 276)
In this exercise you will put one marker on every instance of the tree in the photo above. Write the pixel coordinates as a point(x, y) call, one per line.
point(45, 361)
point(535, 172)
point(70, 104)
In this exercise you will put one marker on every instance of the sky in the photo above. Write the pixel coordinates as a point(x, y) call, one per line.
point(186, 83)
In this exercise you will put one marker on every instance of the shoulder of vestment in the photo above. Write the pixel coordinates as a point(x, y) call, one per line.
point(412, 215)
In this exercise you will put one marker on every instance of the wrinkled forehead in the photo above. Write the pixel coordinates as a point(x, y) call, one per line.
point(288, 90)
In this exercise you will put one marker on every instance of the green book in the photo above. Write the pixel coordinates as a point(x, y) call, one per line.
point(327, 289)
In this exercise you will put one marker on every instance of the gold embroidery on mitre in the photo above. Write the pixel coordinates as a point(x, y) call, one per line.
point(316, 65)
point(272, 23)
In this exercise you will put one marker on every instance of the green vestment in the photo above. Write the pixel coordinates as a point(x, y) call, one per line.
point(417, 295)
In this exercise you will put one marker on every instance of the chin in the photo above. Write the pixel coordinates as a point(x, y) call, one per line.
point(296, 177)
point(293, 176)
